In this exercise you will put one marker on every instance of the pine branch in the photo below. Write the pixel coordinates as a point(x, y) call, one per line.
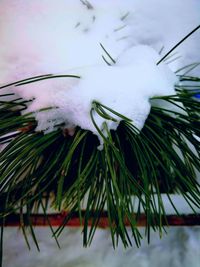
point(132, 165)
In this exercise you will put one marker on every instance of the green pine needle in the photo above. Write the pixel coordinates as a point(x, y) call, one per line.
point(161, 158)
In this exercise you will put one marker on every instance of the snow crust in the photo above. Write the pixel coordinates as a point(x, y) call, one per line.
point(40, 37)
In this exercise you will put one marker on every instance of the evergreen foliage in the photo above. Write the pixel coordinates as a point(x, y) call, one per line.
point(163, 157)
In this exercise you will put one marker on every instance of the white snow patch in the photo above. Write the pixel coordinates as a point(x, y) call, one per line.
point(179, 248)
point(40, 37)
point(124, 87)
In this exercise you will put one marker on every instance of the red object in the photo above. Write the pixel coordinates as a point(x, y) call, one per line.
point(58, 219)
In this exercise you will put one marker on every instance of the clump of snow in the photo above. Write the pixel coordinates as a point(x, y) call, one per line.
point(124, 87)
point(47, 36)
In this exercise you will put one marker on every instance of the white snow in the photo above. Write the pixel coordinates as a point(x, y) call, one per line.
point(179, 202)
point(41, 37)
point(178, 248)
